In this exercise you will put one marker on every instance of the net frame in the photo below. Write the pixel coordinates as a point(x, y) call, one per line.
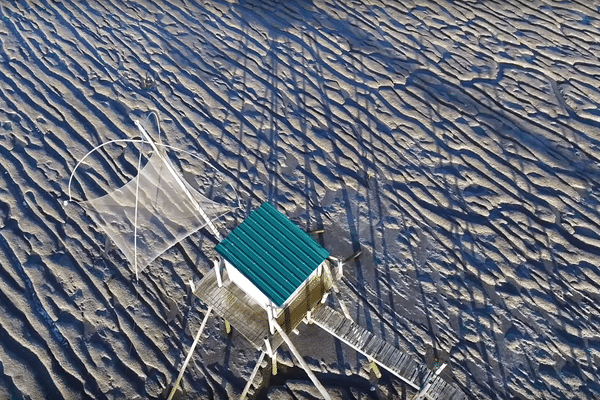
point(193, 200)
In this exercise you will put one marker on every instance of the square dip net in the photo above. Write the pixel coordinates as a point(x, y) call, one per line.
point(153, 211)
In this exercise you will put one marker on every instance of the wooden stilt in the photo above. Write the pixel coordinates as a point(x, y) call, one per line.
point(327, 270)
point(252, 375)
point(189, 356)
point(342, 305)
point(374, 368)
point(268, 347)
point(310, 374)
point(274, 363)
point(328, 276)
point(217, 265)
point(339, 267)
point(271, 319)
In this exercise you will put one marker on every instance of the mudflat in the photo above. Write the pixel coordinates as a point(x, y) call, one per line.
point(456, 144)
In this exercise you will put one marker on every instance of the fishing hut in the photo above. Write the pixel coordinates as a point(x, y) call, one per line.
point(268, 278)
point(271, 276)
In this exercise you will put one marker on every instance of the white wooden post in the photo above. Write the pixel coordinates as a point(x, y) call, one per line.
point(268, 347)
point(303, 363)
point(252, 375)
point(340, 269)
point(270, 315)
point(217, 264)
point(189, 356)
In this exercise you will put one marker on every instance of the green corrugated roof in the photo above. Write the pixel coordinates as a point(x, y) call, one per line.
point(272, 252)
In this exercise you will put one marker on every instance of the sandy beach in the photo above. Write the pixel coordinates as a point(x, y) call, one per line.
point(455, 144)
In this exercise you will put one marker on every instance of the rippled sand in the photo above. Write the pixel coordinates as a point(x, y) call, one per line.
point(456, 143)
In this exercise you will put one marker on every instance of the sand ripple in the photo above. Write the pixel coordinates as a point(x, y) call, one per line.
point(455, 143)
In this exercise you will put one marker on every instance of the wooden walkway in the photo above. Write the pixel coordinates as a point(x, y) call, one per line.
point(387, 356)
point(248, 318)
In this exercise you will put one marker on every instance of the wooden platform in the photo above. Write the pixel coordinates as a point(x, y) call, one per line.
point(387, 356)
point(234, 305)
point(250, 319)
point(247, 317)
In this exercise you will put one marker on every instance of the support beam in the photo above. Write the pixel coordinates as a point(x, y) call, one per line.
point(339, 267)
point(217, 265)
point(211, 226)
point(327, 271)
point(189, 356)
point(342, 305)
point(271, 319)
point(303, 363)
point(252, 375)
point(268, 347)
point(274, 363)
point(374, 368)
point(336, 289)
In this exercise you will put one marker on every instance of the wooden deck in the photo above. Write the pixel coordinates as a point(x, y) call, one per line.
point(250, 319)
point(247, 317)
point(234, 305)
point(387, 356)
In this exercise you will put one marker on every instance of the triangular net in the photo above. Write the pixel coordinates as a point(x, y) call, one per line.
point(165, 212)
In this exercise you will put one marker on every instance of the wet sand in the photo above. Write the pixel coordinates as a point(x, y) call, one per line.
point(455, 143)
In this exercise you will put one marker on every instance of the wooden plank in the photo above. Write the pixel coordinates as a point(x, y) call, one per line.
point(384, 354)
point(234, 305)
point(439, 388)
point(445, 390)
point(248, 318)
